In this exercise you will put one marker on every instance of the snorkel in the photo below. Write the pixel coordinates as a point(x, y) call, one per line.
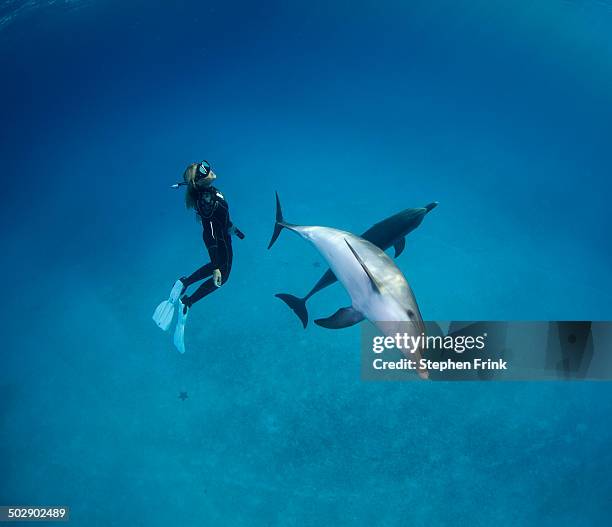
point(203, 178)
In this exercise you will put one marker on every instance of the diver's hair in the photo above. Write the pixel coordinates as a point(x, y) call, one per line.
point(189, 176)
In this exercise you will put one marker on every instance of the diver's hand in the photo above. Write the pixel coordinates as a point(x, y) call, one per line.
point(236, 232)
point(217, 279)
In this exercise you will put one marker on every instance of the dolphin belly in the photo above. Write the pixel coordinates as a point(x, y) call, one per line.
point(332, 246)
point(388, 305)
point(335, 246)
point(378, 289)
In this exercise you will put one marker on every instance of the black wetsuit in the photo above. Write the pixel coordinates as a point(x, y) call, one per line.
point(218, 239)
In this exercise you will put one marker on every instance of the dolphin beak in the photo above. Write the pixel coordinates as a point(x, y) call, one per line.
point(431, 206)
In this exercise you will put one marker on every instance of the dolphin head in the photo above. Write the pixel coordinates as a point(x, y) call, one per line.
point(410, 323)
point(389, 309)
point(393, 311)
point(410, 219)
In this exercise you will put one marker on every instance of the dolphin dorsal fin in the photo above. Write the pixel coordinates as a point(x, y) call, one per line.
point(376, 285)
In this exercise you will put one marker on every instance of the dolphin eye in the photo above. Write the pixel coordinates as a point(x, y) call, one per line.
point(410, 314)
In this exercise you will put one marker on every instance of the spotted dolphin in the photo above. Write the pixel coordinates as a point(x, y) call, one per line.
point(378, 290)
point(391, 232)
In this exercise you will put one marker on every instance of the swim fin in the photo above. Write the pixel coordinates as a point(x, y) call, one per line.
point(179, 332)
point(165, 311)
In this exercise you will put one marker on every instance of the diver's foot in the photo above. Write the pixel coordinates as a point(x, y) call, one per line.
point(179, 332)
point(183, 280)
point(165, 310)
point(177, 290)
point(184, 303)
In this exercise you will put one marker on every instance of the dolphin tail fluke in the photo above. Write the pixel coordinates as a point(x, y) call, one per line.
point(297, 305)
point(279, 224)
point(431, 206)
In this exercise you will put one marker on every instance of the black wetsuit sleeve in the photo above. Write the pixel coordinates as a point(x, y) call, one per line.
point(223, 217)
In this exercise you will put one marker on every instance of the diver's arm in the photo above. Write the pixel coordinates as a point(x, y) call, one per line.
point(212, 244)
point(232, 229)
point(236, 231)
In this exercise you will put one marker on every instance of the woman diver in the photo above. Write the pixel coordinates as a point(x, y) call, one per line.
point(213, 212)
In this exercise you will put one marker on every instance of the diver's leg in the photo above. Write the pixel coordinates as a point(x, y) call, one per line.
point(205, 289)
point(209, 286)
point(203, 272)
point(187, 301)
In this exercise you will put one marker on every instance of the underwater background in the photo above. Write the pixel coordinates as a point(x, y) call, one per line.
point(352, 111)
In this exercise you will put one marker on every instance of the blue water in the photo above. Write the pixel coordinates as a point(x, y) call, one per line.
point(500, 110)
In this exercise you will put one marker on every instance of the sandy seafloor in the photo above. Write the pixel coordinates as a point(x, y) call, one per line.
point(499, 110)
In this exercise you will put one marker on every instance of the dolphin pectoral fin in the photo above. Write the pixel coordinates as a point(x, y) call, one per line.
point(399, 246)
point(376, 285)
point(343, 318)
